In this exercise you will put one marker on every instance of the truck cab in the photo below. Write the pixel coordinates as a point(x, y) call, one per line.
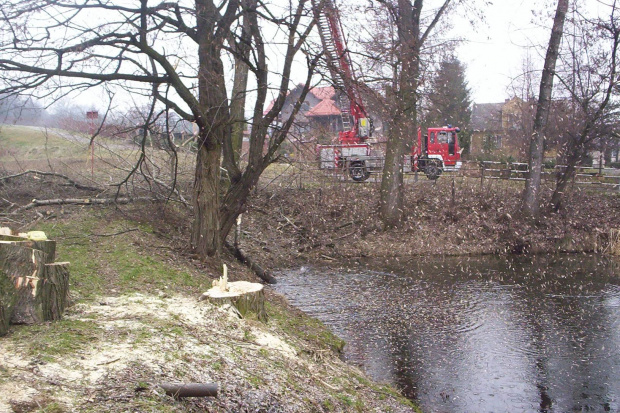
point(438, 151)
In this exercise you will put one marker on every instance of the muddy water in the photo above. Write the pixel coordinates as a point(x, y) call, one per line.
point(477, 334)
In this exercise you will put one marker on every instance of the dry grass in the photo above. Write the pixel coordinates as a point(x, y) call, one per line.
point(340, 220)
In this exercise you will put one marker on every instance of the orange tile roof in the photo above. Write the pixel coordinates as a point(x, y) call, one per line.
point(324, 108)
point(322, 93)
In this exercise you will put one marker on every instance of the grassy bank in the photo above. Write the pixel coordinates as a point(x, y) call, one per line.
point(137, 322)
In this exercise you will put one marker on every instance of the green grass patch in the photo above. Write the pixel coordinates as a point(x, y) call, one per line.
point(100, 264)
point(304, 327)
point(50, 341)
point(387, 390)
point(53, 407)
point(217, 365)
point(27, 143)
point(74, 245)
point(135, 271)
point(255, 381)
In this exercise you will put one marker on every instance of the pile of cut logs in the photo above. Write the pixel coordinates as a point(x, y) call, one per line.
point(33, 288)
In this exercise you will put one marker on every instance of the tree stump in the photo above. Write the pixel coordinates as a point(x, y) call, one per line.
point(48, 246)
point(8, 296)
point(244, 296)
point(55, 290)
point(33, 288)
point(24, 268)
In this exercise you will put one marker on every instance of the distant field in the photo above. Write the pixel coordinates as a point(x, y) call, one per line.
point(69, 153)
point(24, 143)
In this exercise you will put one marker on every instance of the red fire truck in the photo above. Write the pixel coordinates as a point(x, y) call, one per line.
point(439, 150)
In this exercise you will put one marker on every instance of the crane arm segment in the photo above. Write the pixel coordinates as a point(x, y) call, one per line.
point(341, 69)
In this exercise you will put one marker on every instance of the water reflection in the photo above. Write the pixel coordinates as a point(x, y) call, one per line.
point(477, 334)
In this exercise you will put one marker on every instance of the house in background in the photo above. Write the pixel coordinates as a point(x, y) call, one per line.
point(320, 117)
point(324, 118)
point(499, 130)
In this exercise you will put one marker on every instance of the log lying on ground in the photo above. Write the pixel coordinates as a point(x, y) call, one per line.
point(190, 389)
point(243, 295)
point(258, 270)
point(78, 201)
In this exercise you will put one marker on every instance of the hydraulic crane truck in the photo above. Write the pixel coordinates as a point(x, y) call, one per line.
point(352, 150)
point(439, 150)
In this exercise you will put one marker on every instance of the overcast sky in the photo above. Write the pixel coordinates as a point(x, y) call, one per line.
point(496, 49)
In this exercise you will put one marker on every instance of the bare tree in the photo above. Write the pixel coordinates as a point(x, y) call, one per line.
point(406, 16)
point(171, 54)
point(232, 152)
point(531, 195)
point(591, 83)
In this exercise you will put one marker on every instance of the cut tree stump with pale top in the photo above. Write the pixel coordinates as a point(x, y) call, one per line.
point(243, 295)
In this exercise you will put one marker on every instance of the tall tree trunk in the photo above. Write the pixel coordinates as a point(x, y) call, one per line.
point(237, 108)
point(405, 123)
point(531, 195)
point(391, 205)
point(214, 128)
point(232, 147)
point(206, 229)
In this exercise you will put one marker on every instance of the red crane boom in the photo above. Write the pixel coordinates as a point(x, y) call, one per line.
point(438, 151)
point(355, 121)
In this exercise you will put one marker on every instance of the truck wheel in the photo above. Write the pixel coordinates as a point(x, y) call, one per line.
point(358, 171)
point(433, 170)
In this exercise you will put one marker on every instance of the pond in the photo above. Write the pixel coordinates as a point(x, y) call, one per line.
point(483, 334)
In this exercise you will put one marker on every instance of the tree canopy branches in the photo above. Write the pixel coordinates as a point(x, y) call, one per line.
point(168, 56)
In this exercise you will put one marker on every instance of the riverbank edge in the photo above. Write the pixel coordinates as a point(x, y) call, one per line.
point(137, 322)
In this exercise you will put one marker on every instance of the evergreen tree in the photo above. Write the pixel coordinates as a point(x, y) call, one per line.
point(449, 100)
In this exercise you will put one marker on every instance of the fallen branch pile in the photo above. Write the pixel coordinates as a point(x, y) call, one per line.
point(54, 174)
